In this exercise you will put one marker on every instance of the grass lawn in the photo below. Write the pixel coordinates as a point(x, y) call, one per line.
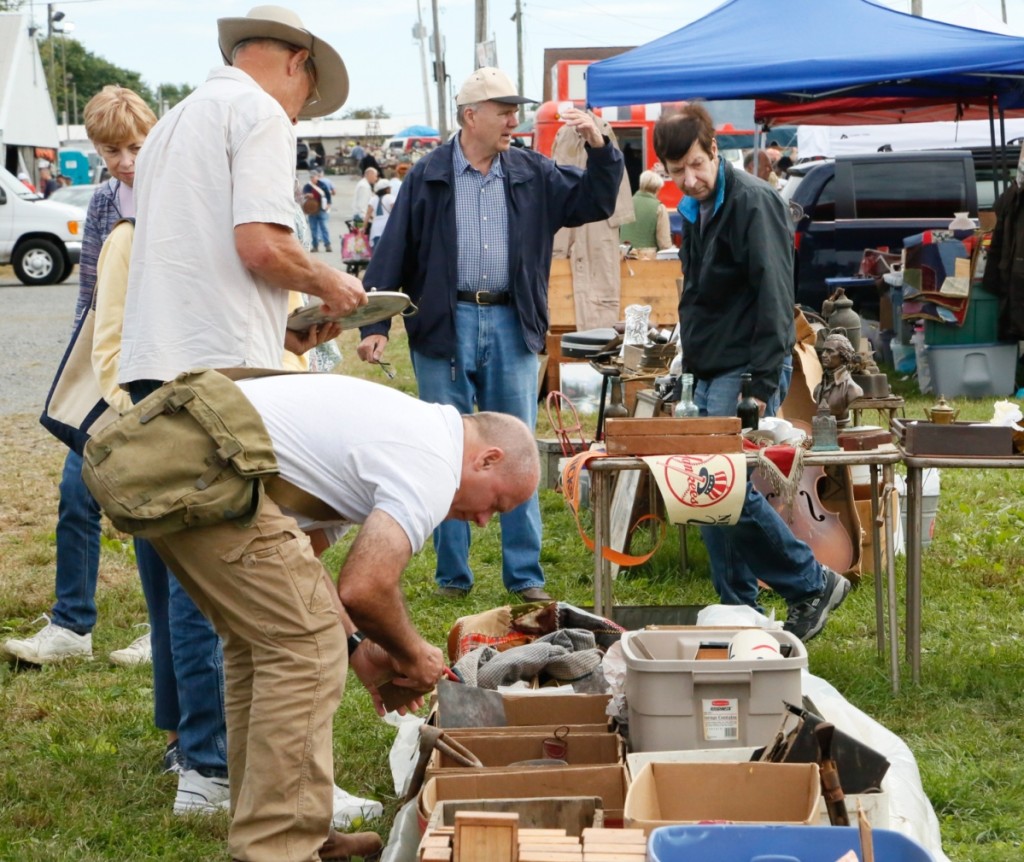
point(79, 756)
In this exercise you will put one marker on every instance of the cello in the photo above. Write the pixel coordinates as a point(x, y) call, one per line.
point(810, 520)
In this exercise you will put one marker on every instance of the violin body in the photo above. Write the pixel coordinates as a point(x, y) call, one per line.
point(811, 521)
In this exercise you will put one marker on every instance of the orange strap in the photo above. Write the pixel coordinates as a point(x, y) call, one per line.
point(571, 489)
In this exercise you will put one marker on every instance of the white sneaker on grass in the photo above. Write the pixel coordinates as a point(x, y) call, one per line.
point(348, 808)
point(52, 643)
point(199, 794)
point(137, 652)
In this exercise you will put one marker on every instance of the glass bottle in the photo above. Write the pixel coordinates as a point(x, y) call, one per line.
point(685, 406)
point(747, 408)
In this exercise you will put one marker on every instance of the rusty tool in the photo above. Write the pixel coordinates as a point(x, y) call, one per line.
point(831, 789)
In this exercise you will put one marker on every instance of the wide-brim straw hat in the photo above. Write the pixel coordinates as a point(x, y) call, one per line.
point(276, 22)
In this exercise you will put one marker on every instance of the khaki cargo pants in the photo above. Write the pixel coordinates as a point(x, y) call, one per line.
point(285, 660)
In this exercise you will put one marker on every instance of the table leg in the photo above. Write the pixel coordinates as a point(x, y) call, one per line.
point(888, 484)
point(684, 561)
point(599, 504)
point(914, 505)
point(876, 547)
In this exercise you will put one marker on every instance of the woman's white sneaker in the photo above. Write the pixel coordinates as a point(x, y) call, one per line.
point(52, 643)
point(137, 652)
point(199, 794)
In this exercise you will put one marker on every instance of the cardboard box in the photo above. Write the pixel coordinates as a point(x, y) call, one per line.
point(666, 793)
point(862, 500)
point(875, 805)
point(508, 748)
point(609, 783)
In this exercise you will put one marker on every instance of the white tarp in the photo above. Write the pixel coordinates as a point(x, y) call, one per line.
point(831, 141)
point(26, 118)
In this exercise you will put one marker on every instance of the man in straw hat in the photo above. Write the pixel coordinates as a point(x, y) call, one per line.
point(213, 260)
point(215, 252)
point(470, 241)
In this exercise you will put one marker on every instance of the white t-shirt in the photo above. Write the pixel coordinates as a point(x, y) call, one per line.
point(361, 198)
point(359, 446)
point(223, 157)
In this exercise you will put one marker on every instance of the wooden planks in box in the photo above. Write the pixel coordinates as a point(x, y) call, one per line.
point(706, 435)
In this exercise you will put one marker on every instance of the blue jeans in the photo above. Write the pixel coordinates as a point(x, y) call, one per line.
point(318, 227)
point(194, 662)
point(761, 545)
point(78, 551)
point(491, 369)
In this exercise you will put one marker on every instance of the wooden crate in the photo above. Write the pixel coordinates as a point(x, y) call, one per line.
point(709, 435)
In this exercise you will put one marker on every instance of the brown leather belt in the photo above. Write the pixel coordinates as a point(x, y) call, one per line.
point(484, 297)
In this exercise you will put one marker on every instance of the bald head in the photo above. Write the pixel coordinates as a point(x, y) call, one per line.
point(371, 175)
point(500, 467)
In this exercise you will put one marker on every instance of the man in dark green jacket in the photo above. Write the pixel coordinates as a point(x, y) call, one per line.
point(736, 317)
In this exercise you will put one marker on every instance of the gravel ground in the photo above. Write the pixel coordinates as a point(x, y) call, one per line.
point(35, 322)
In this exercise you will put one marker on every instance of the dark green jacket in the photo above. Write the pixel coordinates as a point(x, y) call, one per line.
point(736, 310)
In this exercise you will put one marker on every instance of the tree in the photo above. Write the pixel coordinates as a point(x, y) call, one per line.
point(170, 94)
point(74, 75)
point(377, 113)
point(11, 5)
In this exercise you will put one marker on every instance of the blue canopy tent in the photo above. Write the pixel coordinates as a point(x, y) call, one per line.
point(418, 132)
point(818, 50)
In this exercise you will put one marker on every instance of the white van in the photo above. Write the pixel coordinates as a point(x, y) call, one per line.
point(42, 239)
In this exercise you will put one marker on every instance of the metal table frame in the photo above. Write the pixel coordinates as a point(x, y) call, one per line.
point(916, 465)
point(602, 470)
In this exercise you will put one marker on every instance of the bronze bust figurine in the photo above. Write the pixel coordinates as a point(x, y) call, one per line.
point(837, 388)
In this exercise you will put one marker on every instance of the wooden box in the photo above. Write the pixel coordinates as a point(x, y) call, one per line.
point(918, 437)
point(710, 435)
point(642, 282)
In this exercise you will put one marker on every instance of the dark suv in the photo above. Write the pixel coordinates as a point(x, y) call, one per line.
point(856, 202)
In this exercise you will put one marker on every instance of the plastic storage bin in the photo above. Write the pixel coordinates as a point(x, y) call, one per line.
point(677, 701)
point(980, 326)
point(972, 370)
point(782, 843)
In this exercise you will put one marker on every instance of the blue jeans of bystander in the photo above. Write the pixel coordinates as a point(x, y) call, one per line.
point(78, 551)
point(761, 545)
point(491, 368)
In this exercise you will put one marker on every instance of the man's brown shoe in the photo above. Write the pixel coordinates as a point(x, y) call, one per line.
point(344, 845)
point(534, 594)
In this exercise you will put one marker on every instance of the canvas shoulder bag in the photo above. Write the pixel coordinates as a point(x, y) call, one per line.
point(193, 453)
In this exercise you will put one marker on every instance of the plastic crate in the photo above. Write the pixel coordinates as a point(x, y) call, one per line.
point(972, 370)
point(981, 324)
point(726, 843)
point(677, 701)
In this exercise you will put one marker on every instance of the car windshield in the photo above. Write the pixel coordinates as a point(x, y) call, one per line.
point(78, 196)
point(17, 187)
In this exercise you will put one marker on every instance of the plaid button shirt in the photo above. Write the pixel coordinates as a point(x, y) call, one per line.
point(481, 223)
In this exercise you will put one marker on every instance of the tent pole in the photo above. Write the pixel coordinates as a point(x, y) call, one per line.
point(992, 138)
point(1004, 165)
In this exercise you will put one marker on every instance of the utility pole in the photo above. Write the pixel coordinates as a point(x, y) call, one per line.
point(439, 76)
point(420, 34)
point(518, 18)
point(1004, 11)
point(916, 8)
point(481, 28)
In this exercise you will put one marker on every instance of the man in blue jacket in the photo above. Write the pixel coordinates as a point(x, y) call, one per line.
point(470, 241)
point(736, 316)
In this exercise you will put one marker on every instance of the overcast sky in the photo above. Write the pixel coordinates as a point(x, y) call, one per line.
point(175, 41)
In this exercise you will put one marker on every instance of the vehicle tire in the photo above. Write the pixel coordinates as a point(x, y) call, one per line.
point(38, 261)
point(70, 268)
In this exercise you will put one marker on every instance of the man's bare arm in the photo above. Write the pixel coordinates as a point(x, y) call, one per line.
point(368, 586)
point(272, 252)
